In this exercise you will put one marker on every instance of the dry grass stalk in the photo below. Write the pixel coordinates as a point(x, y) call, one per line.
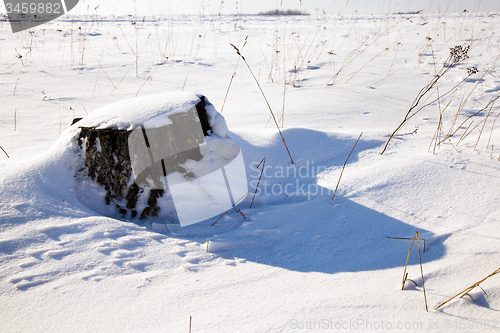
point(491, 132)
point(363, 46)
point(100, 66)
point(467, 290)
point(421, 270)
point(457, 54)
point(263, 162)
point(20, 57)
point(9, 67)
point(150, 77)
point(284, 98)
point(455, 118)
point(408, 239)
point(241, 213)
point(267, 102)
point(185, 80)
point(15, 87)
point(96, 80)
point(484, 124)
point(452, 130)
point(235, 204)
point(439, 130)
point(190, 321)
point(124, 76)
point(5, 152)
point(347, 159)
point(232, 77)
point(405, 275)
point(466, 133)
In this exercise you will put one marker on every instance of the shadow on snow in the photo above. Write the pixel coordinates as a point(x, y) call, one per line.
point(303, 229)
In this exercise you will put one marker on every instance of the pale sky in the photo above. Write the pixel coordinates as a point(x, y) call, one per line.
point(345, 7)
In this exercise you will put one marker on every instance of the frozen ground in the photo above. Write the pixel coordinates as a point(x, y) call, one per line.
point(299, 261)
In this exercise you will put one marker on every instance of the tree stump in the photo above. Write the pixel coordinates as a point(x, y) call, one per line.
point(107, 162)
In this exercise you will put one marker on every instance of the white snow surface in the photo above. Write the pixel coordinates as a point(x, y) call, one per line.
point(296, 261)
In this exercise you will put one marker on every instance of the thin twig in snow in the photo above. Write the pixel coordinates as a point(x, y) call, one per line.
point(263, 162)
point(232, 77)
point(5, 152)
point(347, 159)
point(467, 290)
point(267, 102)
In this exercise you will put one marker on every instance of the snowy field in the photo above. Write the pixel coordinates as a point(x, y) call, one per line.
point(297, 261)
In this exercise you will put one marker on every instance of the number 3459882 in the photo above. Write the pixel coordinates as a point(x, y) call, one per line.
point(34, 8)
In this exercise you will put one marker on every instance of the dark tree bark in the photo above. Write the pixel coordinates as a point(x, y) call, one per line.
point(107, 162)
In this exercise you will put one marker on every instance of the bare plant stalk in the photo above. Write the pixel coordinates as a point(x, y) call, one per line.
point(484, 124)
point(283, 109)
point(105, 73)
point(457, 54)
point(20, 57)
point(232, 77)
point(190, 319)
point(491, 132)
point(150, 77)
point(465, 132)
point(15, 87)
point(467, 290)
point(284, 76)
point(96, 80)
point(347, 159)
point(237, 202)
point(136, 51)
point(405, 275)
point(124, 76)
point(491, 102)
point(267, 102)
point(185, 80)
point(356, 53)
point(472, 70)
point(5, 152)
point(15, 120)
point(440, 123)
point(439, 130)
point(263, 162)
point(83, 47)
point(421, 270)
point(455, 118)
point(165, 225)
point(407, 239)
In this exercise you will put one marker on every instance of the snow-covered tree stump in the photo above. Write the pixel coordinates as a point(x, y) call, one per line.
point(105, 152)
